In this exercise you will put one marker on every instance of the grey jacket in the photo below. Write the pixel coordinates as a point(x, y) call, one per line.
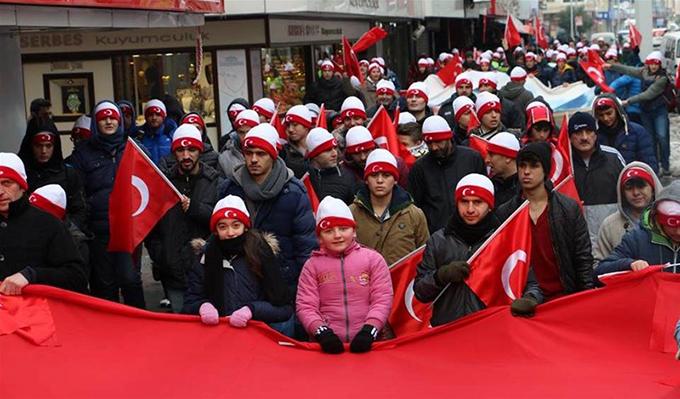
point(654, 90)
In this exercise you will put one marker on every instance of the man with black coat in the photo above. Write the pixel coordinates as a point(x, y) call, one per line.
point(35, 247)
point(169, 244)
point(433, 177)
point(330, 90)
point(560, 253)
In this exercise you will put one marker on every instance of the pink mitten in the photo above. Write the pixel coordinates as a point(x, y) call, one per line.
point(209, 314)
point(240, 317)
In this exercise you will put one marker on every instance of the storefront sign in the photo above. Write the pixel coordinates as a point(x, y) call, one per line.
point(197, 6)
point(216, 33)
point(309, 31)
point(364, 8)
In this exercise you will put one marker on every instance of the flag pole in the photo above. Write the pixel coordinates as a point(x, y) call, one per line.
point(165, 178)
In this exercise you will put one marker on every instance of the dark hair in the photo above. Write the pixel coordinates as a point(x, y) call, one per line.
point(39, 103)
point(411, 129)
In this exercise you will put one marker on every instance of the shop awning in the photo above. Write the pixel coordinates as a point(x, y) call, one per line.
point(187, 6)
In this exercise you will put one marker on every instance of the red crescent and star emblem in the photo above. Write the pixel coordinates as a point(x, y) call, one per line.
point(324, 224)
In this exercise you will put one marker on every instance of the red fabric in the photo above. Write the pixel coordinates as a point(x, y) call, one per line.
point(593, 68)
point(635, 36)
point(479, 144)
point(321, 119)
point(313, 198)
point(541, 39)
point(278, 125)
point(28, 317)
point(543, 257)
point(368, 39)
point(499, 268)
point(561, 167)
point(677, 77)
point(474, 122)
point(408, 314)
point(384, 133)
point(568, 188)
point(351, 63)
point(140, 197)
point(511, 35)
point(46, 205)
point(593, 344)
point(191, 6)
point(448, 74)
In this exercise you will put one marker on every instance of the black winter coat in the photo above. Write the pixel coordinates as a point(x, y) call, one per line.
point(505, 189)
point(596, 182)
point(169, 244)
point(208, 157)
point(446, 109)
point(294, 159)
point(331, 92)
point(338, 182)
point(432, 182)
point(38, 245)
point(570, 239)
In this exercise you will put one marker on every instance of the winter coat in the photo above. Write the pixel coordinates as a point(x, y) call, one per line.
point(569, 234)
point(617, 224)
point(446, 109)
point(594, 181)
point(566, 75)
point(55, 171)
point(344, 291)
point(227, 136)
point(288, 216)
point(515, 92)
point(157, 141)
point(443, 247)
point(230, 284)
point(397, 102)
point(295, 160)
point(331, 92)
point(646, 242)
point(133, 130)
point(338, 182)
point(653, 86)
point(231, 155)
point(432, 182)
point(368, 91)
point(169, 242)
point(37, 245)
point(403, 231)
point(489, 134)
point(505, 189)
point(626, 86)
point(631, 140)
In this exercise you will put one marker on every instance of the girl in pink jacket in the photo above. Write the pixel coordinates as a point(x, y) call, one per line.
point(345, 290)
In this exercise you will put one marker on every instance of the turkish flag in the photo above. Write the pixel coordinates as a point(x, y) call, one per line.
point(140, 197)
point(635, 36)
point(479, 144)
point(385, 135)
point(561, 155)
point(368, 39)
point(677, 77)
point(349, 58)
point(511, 35)
point(541, 40)
point(278, 125)
point(568, 188)
point(499, 268)
point(448, 74)
point(313, 198)
point(321, 119)
point(408, 314)
point(593, 68)
point(474, 122)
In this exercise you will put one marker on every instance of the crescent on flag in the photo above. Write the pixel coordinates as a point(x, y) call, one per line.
point(408, 300)
point(143, 193)
point(559, 165)
point(508, 267)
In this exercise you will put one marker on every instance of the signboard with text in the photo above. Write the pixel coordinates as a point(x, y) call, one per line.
point(192, 6)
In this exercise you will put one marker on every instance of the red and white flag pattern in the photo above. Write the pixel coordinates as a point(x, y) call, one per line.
point(408, 314)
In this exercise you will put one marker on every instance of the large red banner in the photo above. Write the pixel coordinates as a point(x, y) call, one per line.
point(611, 342)
point(193, 6)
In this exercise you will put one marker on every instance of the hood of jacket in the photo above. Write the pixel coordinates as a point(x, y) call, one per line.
point(134, 129)
point(511, 90)
point(648, 218)
point(623, 207)
point(619, 110)
point(26, 148)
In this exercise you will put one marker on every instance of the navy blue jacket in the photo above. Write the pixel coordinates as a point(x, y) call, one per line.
point(157, 141)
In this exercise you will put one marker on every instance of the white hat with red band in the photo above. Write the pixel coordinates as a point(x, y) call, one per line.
point(12, 167)
point(487, 102)
point(379, 60)
point(655, 57)
point(319, 140)
point(422, 62)
point(374, 65)
point(475, 185)
point(187, 135)
point(333, 212)
point(435, 128)
point(234, 109)
point(462, 80)
point(265, 107)
point(364, 63)
point(518, 74)
point(530, 55)
point(299, 114)
point(668, 213)
point(82, 127)
point(155, 106)
point(505, 144)
point(381, 160)
point(193, 118)
point(106, 109)
point(561, 57)
point(247, 117)
point(352, 107)
point(385, 87)
point(358, 139)
point(444, 56)
point(229, 207)
point(406, 117)
point(265, 137)
point(488, 81)
point(327, 65)
point(430, 61)
point(418, 89)
point(461, 105)
point(611, 54)
point(51, 199)
point(538, 112)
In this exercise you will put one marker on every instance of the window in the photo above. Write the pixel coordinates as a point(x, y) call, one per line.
point(283, 76)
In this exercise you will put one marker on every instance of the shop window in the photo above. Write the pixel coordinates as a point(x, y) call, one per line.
point(142, 77)
point(283, 76)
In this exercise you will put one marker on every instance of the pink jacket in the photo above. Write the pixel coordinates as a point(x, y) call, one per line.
point(344, 291)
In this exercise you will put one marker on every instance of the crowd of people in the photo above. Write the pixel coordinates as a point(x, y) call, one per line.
point(244, 241)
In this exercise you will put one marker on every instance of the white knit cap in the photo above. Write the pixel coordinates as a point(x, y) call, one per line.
point(375, 65)
point(423, 62)
point(299, 114)
point(51, 199)
point(106, 109)
point(505, 144)
point(430, 61)
point(230, 207)
point(187, 135)
point(571, 51)
point(319, 140)
point(247, 117)
point(594, 46)
point(561, 57)
point(530, 55)
point(265, 107)
point(518, 73)
point(418, 89)
point(333, 212)
point(313, 109)
point(235, 109)
point(263, 136)
point(444, 56)
point(655, 57)
point(364, 63)
point(486, 102)
point(461, 105)
point(611, 53)
point(381, 160)
point(12, 167)
point(352, 107)
point(155, 106)
point(435, 128)
point(358, 139)
point(406, 117)
point(385, 87)
point(379, 60)
point(327, 65)
point(83, 122)
point(476, 185)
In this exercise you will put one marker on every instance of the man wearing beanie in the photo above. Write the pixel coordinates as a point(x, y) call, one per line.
point(447, 109)
point(298, 123)
point(444, 266)
point(208, 156)
point(501, 154)
point(276, 200)
point(359, 144)
point(49, 256)
point(387, 96)
point(387, 220)
point(561, 253)
point(156, 132)
point(330, 89)
point(514, 90)
point(416, 102)
point(488, 108)
point(169, 242)
point(433, 177)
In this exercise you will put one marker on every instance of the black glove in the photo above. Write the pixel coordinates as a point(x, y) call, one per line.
point(453, 272)
point(364, 339)
point(525, 306)
point(330, 343)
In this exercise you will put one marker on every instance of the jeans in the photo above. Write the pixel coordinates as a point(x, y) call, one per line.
point(656, 123)
point(112, 272)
